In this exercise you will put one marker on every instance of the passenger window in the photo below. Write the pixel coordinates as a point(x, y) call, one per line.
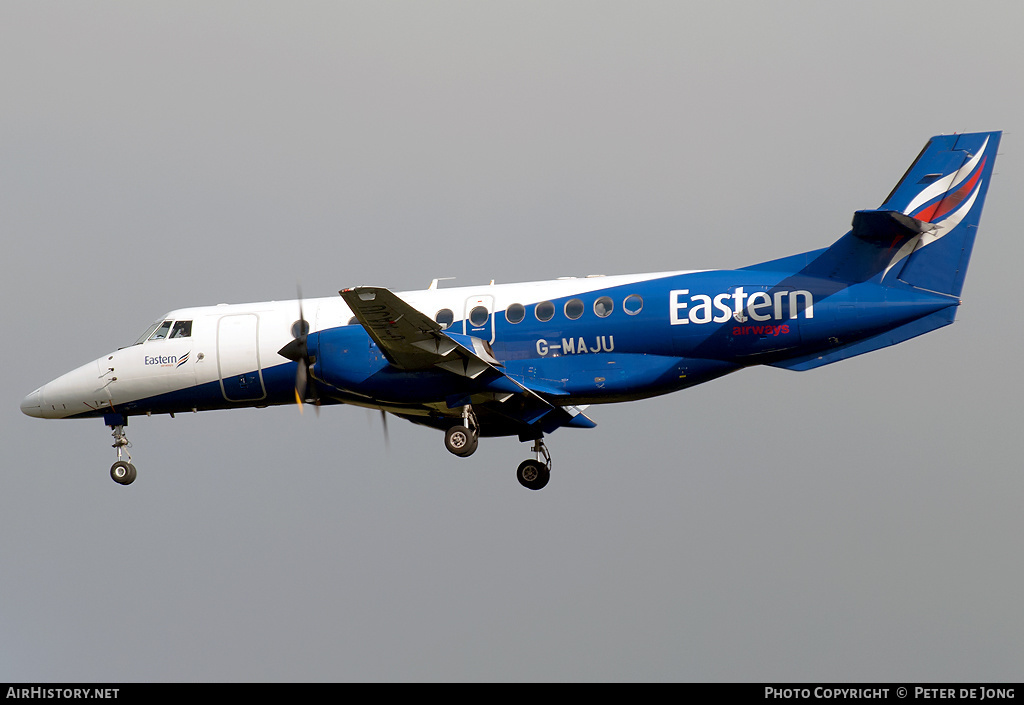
point(161, 332)
point(573, 309)
point(515, 313)
point(544, 311)
point(445, 318)
point(182, 329)
point(603, 307)
point(478, 316)
point(633, 304)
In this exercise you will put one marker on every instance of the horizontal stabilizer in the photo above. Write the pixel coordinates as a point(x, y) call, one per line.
point(886, 226)
point(897, 335)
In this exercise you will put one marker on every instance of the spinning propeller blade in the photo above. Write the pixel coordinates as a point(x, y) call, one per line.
point(296, 350)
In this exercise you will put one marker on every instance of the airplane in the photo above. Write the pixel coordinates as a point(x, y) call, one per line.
point(527, 359)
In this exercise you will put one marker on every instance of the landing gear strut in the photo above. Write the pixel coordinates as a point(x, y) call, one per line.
point(122, 472)
point(462, 439)
point(534, 474)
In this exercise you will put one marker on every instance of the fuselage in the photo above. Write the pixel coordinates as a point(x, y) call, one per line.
point(581, 340)
point(525, 359)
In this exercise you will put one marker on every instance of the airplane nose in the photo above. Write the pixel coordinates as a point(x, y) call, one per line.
point(72, 393)
point(32, 404)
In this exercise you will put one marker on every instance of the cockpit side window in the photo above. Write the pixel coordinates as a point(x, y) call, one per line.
point(182, 329)
point(161, 331)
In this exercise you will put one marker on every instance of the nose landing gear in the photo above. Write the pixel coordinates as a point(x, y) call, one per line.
point(122, 472)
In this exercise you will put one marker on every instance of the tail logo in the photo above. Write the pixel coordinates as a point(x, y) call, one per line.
point(945, 187)
point(943, 204)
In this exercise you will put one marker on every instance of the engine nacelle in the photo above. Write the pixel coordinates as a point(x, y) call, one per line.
point(347, 358)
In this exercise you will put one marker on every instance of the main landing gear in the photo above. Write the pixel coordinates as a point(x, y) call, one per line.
point(534, 474)
point(462, 439)
point(122, 472)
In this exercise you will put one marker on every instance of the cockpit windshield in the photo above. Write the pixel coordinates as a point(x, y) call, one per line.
point(162, 329)
point(149, 331)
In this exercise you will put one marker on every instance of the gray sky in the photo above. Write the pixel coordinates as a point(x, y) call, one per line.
point(859, 522)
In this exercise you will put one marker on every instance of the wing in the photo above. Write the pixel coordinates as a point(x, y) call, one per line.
point(413, 341)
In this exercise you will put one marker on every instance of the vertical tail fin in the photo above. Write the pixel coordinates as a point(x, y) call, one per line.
point(923, 234)
point(944, 191)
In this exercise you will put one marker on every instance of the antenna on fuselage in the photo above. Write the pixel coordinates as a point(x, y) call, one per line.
point(433, 282)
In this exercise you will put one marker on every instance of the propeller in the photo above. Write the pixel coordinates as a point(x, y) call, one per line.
point(297, 351)
point(384, 425)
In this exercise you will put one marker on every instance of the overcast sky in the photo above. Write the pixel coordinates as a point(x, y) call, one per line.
point(860, 522)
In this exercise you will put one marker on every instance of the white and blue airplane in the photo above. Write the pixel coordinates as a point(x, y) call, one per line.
point(527, 359)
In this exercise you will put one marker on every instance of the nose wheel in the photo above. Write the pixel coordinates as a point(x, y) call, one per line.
point(122, 472)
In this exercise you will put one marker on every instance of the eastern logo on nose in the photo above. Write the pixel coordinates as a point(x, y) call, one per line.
point(166, 360)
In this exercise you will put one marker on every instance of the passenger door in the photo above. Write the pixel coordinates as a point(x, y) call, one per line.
point(238, 359)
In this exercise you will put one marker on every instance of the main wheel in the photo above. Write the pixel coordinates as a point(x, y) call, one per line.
point(460, 441)
point(122, 473)
point(533, 475)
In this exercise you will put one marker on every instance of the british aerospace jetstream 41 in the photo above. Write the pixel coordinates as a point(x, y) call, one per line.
point(526, 359)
